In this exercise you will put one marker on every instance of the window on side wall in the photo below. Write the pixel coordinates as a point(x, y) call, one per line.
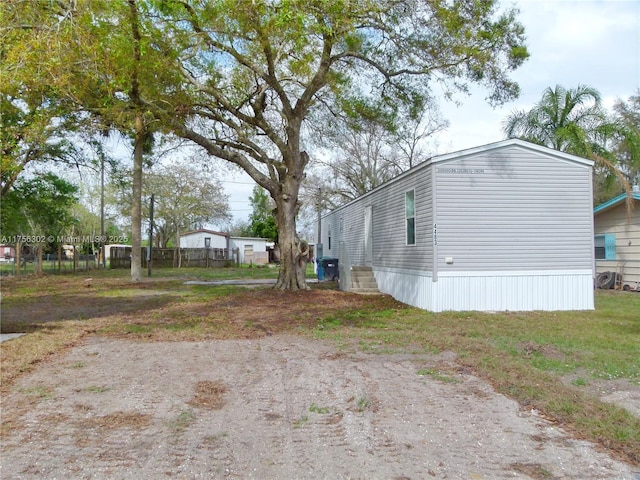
point(329, 235)
point(410, 216)
point(605, 246)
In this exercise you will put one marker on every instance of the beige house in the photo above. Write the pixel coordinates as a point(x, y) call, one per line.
point(617, 240)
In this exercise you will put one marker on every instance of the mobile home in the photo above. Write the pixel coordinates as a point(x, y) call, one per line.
point(505, 226)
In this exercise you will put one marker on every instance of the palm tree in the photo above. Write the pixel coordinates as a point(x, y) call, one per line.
point(574, 121)
point(564, 120)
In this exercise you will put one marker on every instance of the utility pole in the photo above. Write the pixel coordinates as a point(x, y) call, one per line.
point(150, 247)
point(319, 252)
point(103, 239)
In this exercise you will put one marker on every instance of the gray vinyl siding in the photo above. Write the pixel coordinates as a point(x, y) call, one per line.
point(330, 227)
point(346, 226)
point(388, 224)
point(390, 249)
point(513, 209)
point(351, 226)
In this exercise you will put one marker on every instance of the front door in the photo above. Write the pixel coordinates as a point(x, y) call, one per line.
point(368, 235)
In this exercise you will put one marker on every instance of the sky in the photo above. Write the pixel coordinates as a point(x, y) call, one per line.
point(571, 42)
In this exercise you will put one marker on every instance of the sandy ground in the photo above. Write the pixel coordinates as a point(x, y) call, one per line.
point(279, 407)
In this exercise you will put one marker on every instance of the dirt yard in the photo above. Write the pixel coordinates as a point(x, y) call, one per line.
point(257, 401)
point(277, 407)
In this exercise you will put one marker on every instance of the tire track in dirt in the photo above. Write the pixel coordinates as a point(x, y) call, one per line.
point(293, 408)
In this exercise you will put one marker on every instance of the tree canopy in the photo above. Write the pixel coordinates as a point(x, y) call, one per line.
point(243, 78)
point(574, 121)
point(570, 120)
point(186, 197)
point(37, 210)
point(253, 72)
point(85, 60)
point(627, 114)
point(261, 220)
point(361, 152)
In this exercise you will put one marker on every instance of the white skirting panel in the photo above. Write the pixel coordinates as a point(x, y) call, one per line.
point(412, 288)
point(490, 291)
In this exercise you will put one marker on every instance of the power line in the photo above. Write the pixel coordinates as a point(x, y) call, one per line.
point(235, 181)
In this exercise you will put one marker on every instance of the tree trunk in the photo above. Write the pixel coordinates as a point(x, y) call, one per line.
point(138, 151)
point(136, 203)
point(294, 253)
point(18, 258)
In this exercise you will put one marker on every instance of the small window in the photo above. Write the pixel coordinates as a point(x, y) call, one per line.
point(410, 216)
point(605, 246)
point(329, 234)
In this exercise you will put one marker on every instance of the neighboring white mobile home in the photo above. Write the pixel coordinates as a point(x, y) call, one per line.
point(203, 238)
point(250, 250)
point(617, 239)
point(506, 226)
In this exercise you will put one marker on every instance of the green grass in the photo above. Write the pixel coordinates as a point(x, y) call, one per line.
point(39, 392)
point(437, 375)
point(313, 408)
point(525, 356)
point(550, 361)
point(181, 422)
point(188, 273)
point(97, 389)
point(363, 404)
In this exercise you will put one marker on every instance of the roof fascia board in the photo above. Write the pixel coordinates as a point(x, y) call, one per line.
point(509, 143)
point(204, 230)
point(615, 201)
point(468, 152)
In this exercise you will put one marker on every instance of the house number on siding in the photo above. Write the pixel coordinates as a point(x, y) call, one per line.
point(461, 171)
point(435, 234)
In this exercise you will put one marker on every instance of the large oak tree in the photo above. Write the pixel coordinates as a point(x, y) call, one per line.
point(254, 71)
point(242, 78)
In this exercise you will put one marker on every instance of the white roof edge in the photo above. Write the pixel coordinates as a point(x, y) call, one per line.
point(233, 237)
point(508, 143)
point(203, 230)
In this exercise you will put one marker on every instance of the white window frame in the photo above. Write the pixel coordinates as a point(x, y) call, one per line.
point(408, 218)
